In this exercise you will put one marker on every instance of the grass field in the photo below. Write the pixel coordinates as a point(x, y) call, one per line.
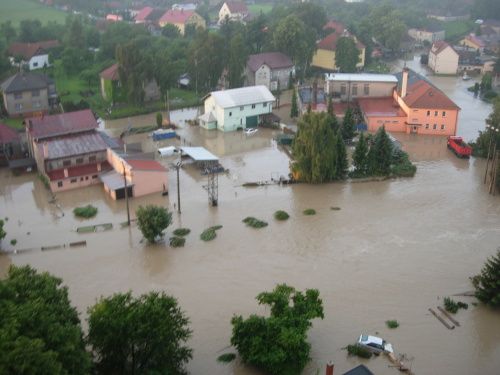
point(257, 8)
point(455, 30)
point(18, 10)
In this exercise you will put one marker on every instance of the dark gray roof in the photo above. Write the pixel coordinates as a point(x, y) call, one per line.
point(275, 60)
point(20, 82)
point(360, 370)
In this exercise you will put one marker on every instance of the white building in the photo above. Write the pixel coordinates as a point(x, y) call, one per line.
point(34, 55)
point(241, 108)
point(233, 11)
point(427, 35)
point(443, 59)
point(348, 86)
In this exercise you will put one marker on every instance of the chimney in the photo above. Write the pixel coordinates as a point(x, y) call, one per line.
point(45, 150)
point(329, 368)
point(404, 83)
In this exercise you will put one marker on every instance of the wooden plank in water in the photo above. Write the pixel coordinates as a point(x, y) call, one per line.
point(445, 323)
point(445, 313)
point(78, 243)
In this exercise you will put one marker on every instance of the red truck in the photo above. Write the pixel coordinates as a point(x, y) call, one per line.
point(459, 147)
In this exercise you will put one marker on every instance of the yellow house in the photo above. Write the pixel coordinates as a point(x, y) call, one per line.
point(324, 56)
point(181, 18)
point(473, 42)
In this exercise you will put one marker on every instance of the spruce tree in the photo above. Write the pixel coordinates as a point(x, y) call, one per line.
point(341, 164)
point(487, 283)
point(294, 111)
point(380, 154)
point(348, 125)
point(290, 81)
point(360, 156)
point(330, 109)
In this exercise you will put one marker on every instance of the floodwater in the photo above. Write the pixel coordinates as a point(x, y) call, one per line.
point(394, 249)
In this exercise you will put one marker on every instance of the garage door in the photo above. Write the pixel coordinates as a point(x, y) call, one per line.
point(252, 121)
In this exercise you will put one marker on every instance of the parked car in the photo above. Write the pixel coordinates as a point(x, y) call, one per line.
point(251, 131)
point(375, 344)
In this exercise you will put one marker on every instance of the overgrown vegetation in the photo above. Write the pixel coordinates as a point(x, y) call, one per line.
point(358, 351)
point(277, 344)
point(177, 241)
point(181, 232)
point(85, 212)
point(3, 233)
point(254, 223)
point(226, 358)
point(451, 306)
point(13, 242)
point(309, 211)
point(45, 180)
point(152, 220)
point(487, 282)
point(210, 233)
point(392, 324)
point(281, 215)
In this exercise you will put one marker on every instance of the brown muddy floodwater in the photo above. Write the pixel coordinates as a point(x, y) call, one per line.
point(394, 249)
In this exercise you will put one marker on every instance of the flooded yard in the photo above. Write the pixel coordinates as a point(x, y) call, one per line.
point(395, 248)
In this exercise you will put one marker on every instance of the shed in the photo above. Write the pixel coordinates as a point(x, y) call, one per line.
point(201, 156)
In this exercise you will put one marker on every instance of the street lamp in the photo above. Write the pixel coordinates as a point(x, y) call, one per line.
point(493, 134)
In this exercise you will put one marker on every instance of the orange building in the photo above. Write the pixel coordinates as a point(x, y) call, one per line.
point(416, 107)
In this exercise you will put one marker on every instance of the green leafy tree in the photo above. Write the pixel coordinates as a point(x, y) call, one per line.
point(170, 31)
point(237, 59)
point(143, 335)
point(290, 81)
point(29, 30)
point(255, 33)
point(8, 31)
point(380, 154)
point(152, 220)
point(360, 156)
point(40, 332)
point(76, 37)
point(294, 110)
point(348, 125)
point(341, 163)
point(314, 149)
point(3, 233)
point(346, 55)
point(487, 283)
point(159, 119)
point(278, 344)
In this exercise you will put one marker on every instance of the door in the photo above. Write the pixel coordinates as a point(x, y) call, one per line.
point(252, 121)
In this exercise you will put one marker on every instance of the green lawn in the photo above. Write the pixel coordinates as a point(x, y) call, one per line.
point(16, 123)
point(17, 10)
point(257, 8)
point(455, 30)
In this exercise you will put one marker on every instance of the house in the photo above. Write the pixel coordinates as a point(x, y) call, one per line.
point(184, 6)
point(28, 93)
point(333, 26)
point(113, 17)
point(443, 59)
point(428, 35)
point(470, 62)
point(68, 149)
point(142, 176)
point(111, 86)
point(181, 19)
point(346, 87)
point(359, 370)
point(35, 55)
point(268, 69)
point(473, 42)
point(142, 15)
point(493, 24)
point(416, 107)
point(233, 11)
point(9, 143)
point(324, 57)
point(491, 40)
point(234, 109)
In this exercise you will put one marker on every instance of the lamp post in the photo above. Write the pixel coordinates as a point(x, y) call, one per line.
point(493, 134)
point(178, 166)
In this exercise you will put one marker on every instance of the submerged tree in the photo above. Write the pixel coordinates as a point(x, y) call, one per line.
point(341, 163)
point(40, 331)
point(380, 154)
point(278, 344)
point(487, 283)
point(152, 220)
point(348, 125)
point(360, 156)
point(143, 335)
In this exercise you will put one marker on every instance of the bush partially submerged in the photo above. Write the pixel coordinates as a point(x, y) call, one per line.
point(281, 215)
point(177, 241)
point(451, 306)
point(392, 323)
point(226, 358)
point(254, 223)
point(181, 232)
point(210, 233)
point(86, 212)
point(358, 351)
point(310, 211)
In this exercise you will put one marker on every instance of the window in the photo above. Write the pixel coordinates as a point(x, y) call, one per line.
point(442, 127)
point(366, 89)
point(241, 108)
point(94, 177)
point(253, 106)
point(92, 159)
point(354, 90)
point(19, 106)
point(66, 163)
point(427, 126)
point(37, 104)
point(444, 114)
point(79, 161)
point(35, 64)
point(73, 180)
point(18, 95)
point(435, 113)
point(230, 114)
point(264, 105)
point(343, 89)
point(35, 93)
point(434, 126)
point(59, 184)
point(86, 178)
point(81, 178)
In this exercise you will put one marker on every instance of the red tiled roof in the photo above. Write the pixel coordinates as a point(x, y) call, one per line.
point(61, 124)
point(78, 171)
point(380, 107)
point(143, 13)
point(330, 42)
point(111, 73)
point(175, 16)
point(28, 50)
point(439, 46)
point(423, 95)
point(146, 165)
point(339, 27)
point(275, 60)
point(237, 7)
point(7, 134)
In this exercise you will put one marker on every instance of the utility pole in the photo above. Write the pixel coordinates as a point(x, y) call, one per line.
point(491, 155)
point(177, 167)
point(126, 193)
